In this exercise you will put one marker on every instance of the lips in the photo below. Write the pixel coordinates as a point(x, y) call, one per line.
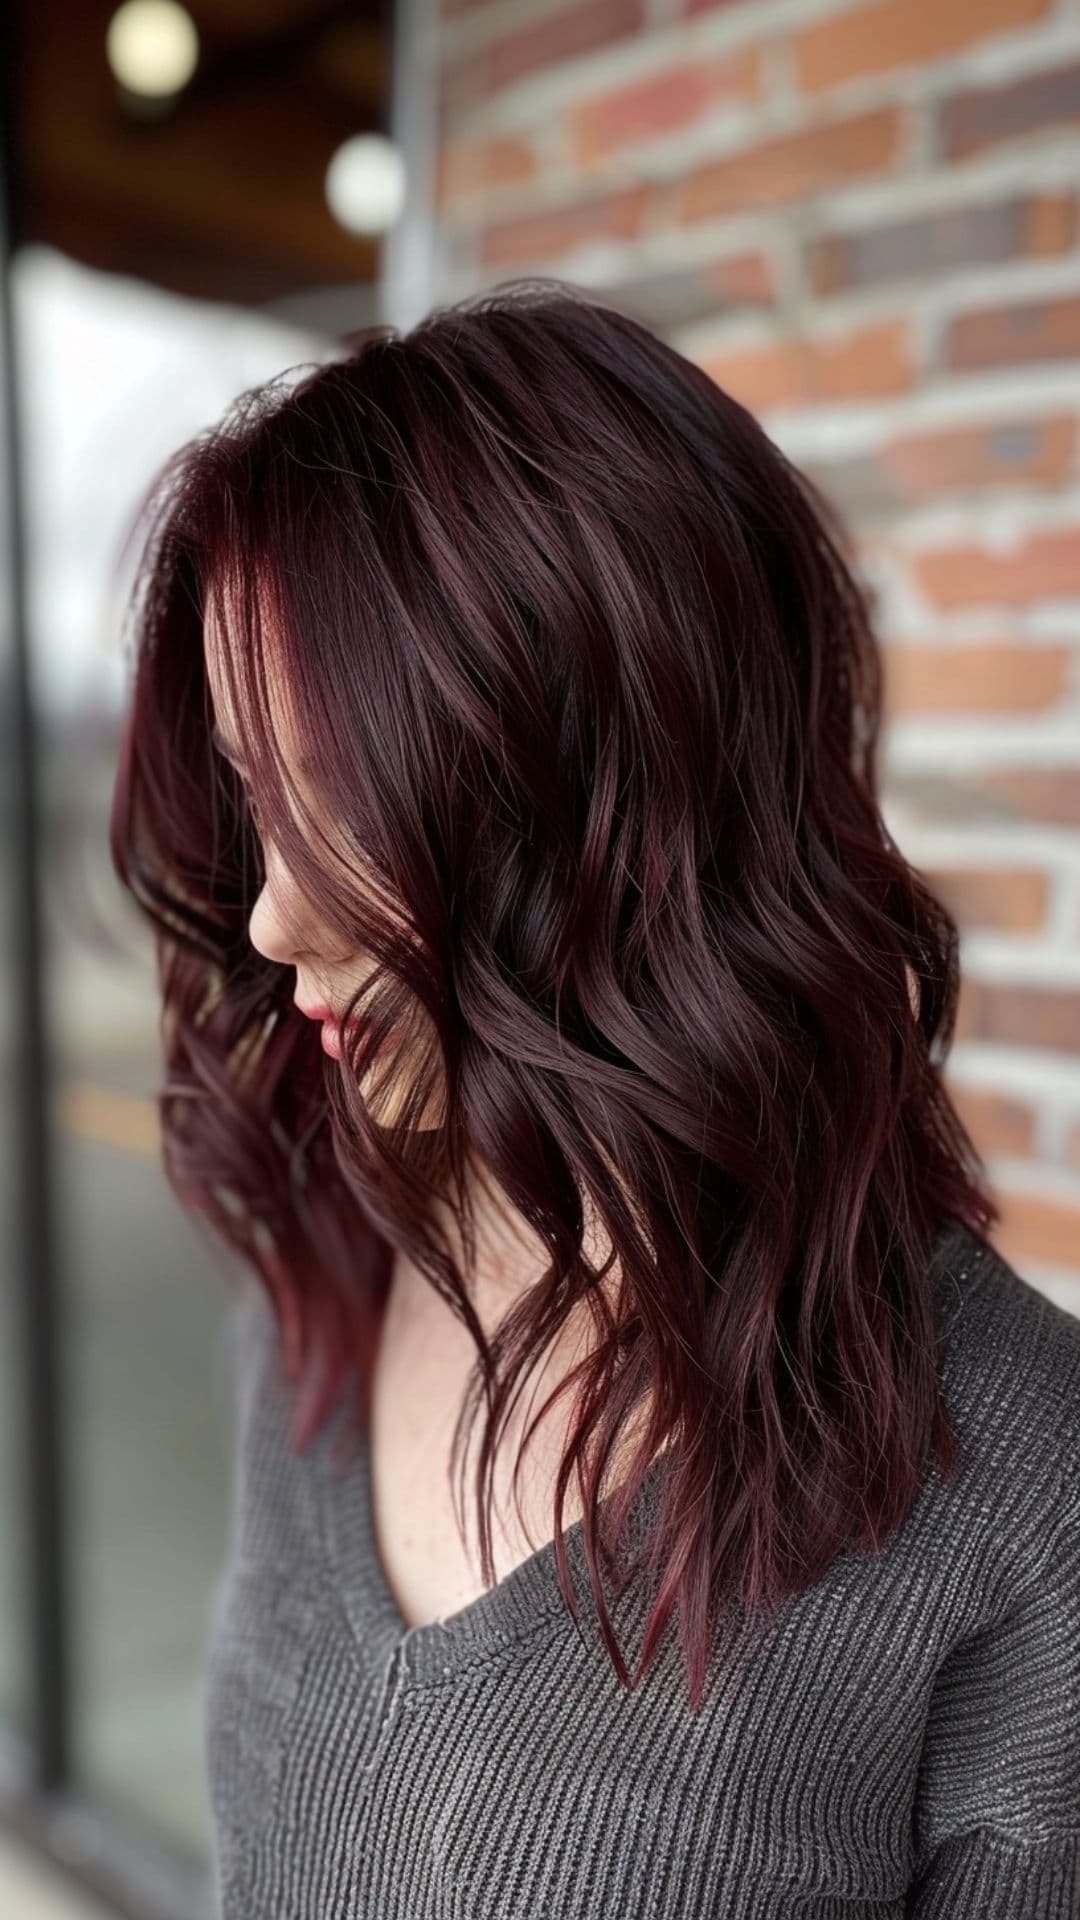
point(329, 1021)
point(314, 1013)
point(331, 1035)
point(330, 1042)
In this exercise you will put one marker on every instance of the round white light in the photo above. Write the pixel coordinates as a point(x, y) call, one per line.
point(152, 47)
point(365, 184)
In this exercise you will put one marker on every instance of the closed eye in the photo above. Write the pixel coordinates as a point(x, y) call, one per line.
point(226, 748)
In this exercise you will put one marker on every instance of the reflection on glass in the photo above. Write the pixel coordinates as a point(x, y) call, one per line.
point(145, 1382)
point(13, 1703)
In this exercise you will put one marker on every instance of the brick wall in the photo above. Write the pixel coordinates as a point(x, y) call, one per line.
point(864, 220)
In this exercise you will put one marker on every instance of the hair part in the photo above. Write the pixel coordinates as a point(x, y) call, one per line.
point(592, 695)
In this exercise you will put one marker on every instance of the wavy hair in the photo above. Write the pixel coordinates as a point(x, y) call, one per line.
point(590, 697)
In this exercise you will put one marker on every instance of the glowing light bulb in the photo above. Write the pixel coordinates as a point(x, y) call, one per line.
point(152, 47)
point(365, 184)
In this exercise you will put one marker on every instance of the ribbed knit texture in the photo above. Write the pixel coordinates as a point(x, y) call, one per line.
point(907, 1744)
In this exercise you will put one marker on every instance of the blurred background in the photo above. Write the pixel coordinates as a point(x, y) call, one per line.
point(862, 217)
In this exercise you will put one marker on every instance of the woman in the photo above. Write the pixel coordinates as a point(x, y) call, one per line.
point(545, 1003)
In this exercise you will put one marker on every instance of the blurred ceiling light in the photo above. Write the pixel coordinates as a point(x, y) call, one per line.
point(152, 47)
point(365, 184)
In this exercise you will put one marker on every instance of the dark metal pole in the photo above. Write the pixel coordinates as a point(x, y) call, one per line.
point(37, 1359)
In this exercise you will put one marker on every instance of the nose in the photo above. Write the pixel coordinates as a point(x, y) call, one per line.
point(269, 932)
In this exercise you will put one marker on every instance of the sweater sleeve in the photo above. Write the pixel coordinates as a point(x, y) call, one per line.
point(997, 1815)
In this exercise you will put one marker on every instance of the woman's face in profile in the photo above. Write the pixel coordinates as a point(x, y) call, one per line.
point(284, 925)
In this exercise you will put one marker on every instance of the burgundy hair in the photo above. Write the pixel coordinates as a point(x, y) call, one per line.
point(592, 699)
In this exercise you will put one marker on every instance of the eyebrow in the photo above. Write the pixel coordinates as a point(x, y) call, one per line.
point(233, 754)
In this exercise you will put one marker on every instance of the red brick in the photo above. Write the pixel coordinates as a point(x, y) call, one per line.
point(994, 453)
point(1006, 336)
point(1051, 224)
point(664, 101)
point(997, 1122)
point(900, 33)
point(742, 280)
point(794, 371)
point(874, 359)
point(1038, 1226)
point(1023, 226)
point(974, 679)
point(468, 167)
point(557, 230)
point(1014, 1015)
point(1042, 566)
point(981, 117)
point(791, 166)
point(1008, 899)
point(924, 466)
point(566, 34)
point(760, 377)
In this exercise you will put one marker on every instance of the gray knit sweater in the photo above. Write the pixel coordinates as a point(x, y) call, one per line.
point(908, 1745)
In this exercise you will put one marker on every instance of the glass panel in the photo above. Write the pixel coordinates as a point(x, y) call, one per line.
point(116, 376)
point(12, 1613)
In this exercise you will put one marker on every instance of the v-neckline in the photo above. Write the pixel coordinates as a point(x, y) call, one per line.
point(526, 1603)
